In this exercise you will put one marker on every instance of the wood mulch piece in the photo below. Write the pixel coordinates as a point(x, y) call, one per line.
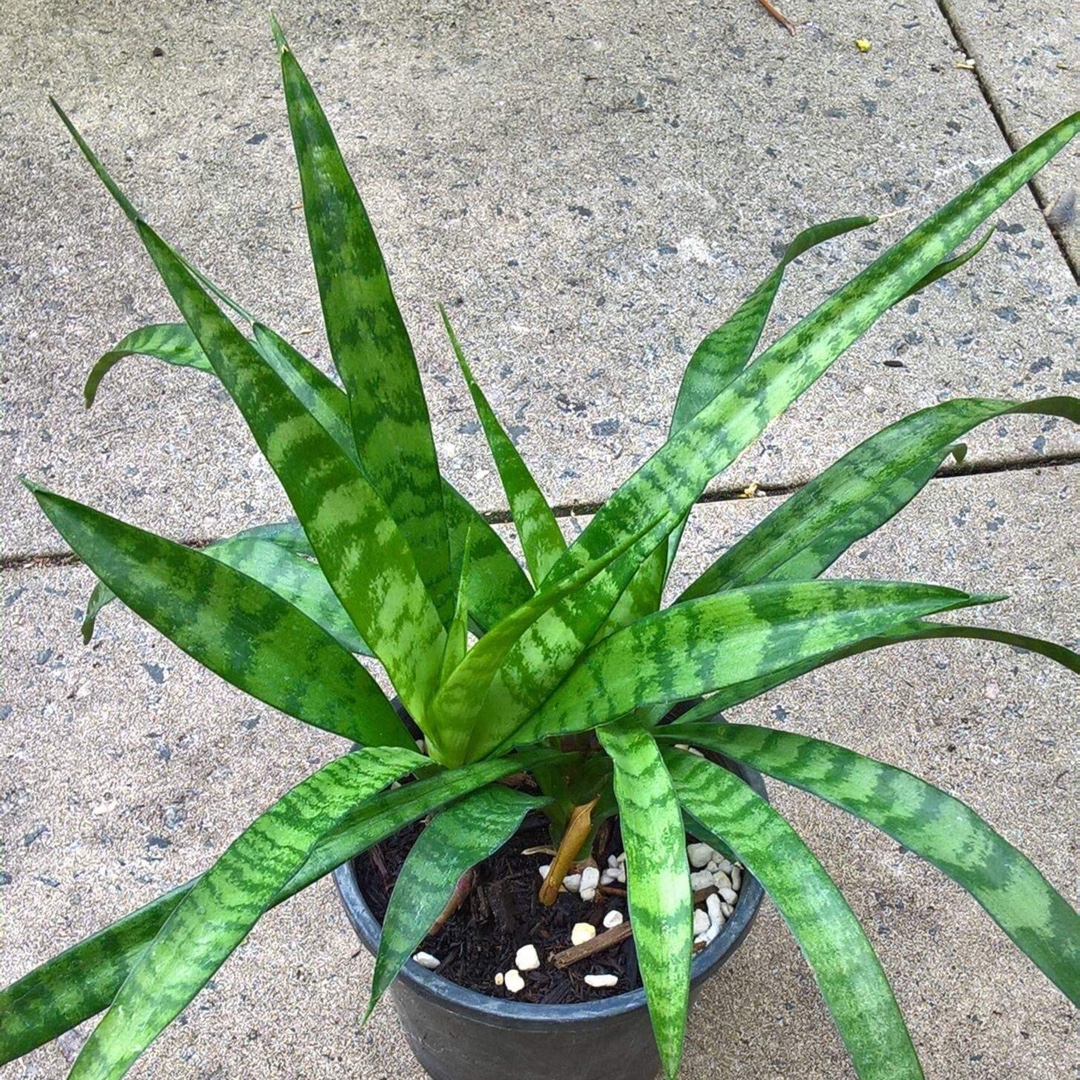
point(503, 913)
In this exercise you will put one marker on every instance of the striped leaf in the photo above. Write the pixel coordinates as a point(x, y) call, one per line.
point(925, 820)
point(455, 840)
point(742, 691)
point(80, 982)
point(658, 881)
point(323, 399)
point(232, 624)
point(717, 360)
point(368, 340)
point(457, 634)
point(724, 353)
point(541, 538)
point(947, 266)
point(133, 215)
point(172, 342)
point(847, 971)
point(857, 494)
point(499, 585)
point(678, 472)
point(218, 912)
point(706, 644)
point(460, 700)
point(363, 554)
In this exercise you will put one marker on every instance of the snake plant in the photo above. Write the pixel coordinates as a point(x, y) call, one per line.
point(564, 669)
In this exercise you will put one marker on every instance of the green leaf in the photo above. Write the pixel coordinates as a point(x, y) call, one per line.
point(541, 538)
point(457, 634)
point(678, 472)
point(359, 547)
point(461, 697)
point(924, 819)
point(717, 360)
point(322, 398)
point(217, 914)
point(80, 982)
point(744, 690)
point(172, 342)
point(498, 586)
point(658, 881)
point(706, 644)
point(723, 353)
point(363, 554)
point(132, 214)
point(847, 971)
point(456, 839)
point(857, 494)
point(230, 623)
point(288, 535)
point(369, 342)
point(947, 266)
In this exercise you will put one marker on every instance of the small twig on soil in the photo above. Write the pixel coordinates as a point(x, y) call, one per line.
point(609, 890)
point(590, 948)
point(701, 895)
point(778, 15)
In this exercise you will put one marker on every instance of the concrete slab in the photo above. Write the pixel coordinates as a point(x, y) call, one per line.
point(126, 770)
point(1028, 60)
point(589, 207)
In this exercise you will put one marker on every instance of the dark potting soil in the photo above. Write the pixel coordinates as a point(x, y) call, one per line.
point(503, 913)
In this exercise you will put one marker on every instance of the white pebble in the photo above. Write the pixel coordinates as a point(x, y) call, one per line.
point(498, 978)
point(582, 932)
point(590, 878)
point(712, 866)
point(727, 910)
point(426, 960)
point(700, 879)
point(608, 876)
point(527, 958)
point(513, 981)
point(728, 895)
point(712, 905)
point(699, 854)
point(545, 869)
point(736, 878)
point(612, 861)
point(621, 858)
point(601, 980)
point(572, 882)
point(701, 922)
point(613, 919)
point(725, 865)
point(721, 880)
point(710, 935)
point(587, 895)
point(622, 873)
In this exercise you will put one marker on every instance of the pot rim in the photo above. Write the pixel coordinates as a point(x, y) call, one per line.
point(434, 986)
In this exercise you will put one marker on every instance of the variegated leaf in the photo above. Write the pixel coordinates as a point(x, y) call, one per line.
point(847, 971)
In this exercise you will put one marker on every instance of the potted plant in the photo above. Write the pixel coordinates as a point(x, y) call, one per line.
point(564, 687)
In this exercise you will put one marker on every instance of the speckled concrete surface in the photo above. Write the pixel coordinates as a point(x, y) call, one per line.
point(588, 206)
point(125, 770)
point(1028, 59)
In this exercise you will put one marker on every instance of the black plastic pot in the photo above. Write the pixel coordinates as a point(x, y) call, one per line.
point(458, 1034)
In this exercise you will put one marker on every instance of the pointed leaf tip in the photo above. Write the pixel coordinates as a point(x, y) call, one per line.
point(279, 34)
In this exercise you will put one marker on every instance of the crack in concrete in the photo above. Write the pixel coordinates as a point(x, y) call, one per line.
point(572, 510)
point(952, 20)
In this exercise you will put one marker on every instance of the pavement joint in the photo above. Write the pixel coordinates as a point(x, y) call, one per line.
point(964, 42)
point(28, 560)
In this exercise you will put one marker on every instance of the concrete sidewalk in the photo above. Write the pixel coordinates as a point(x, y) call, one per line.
point(590, 188)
